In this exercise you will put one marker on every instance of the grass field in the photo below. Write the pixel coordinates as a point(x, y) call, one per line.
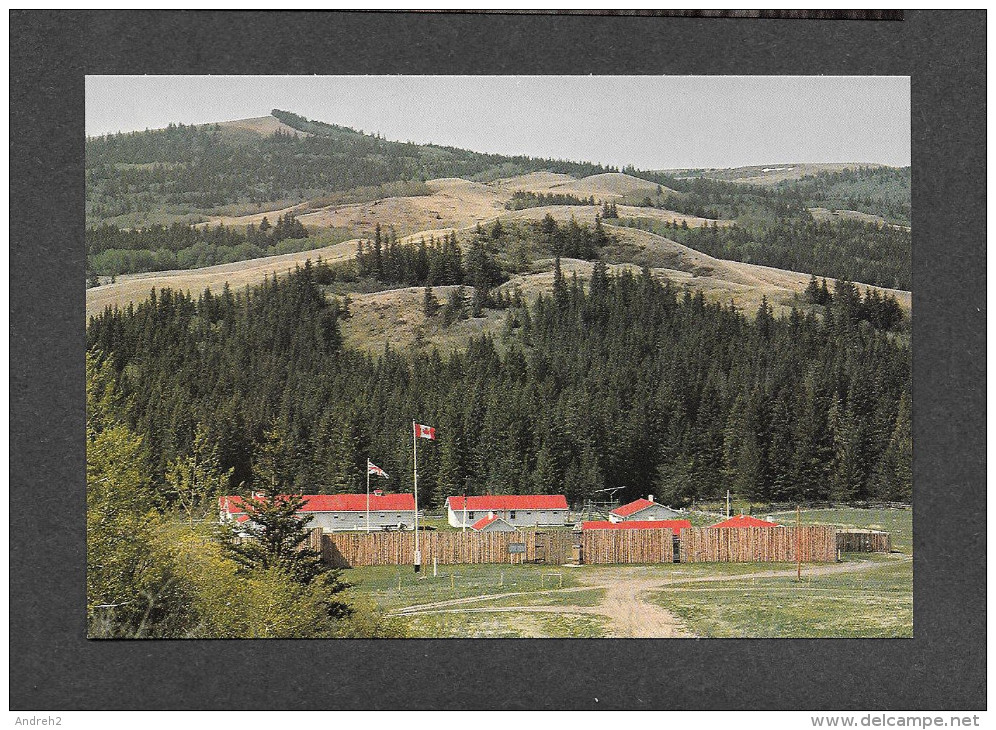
point(865, 595)
point(877, 602)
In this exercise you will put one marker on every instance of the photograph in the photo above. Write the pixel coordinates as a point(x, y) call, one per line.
point(486, 357)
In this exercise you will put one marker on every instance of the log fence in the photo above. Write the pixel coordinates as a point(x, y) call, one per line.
point(864, 541)
point(346, 550)
point(817, 544)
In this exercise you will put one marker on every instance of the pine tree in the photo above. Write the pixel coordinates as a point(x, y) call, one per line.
point(476, 304)
point(559, 285)
point(274, 535)
point(812, 293)
point(599, 280)
point(429, 303)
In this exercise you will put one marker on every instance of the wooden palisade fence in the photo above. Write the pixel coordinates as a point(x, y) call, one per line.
point(817, 544)
point(344, 550)
point(627, 546)
point(864, 541)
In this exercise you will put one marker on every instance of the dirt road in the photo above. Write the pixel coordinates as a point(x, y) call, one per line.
point(624, 604)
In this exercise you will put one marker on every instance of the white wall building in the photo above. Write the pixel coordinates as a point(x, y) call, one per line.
point(643, 510)
point(342, 512)
point(492, 523)
point(518, 510)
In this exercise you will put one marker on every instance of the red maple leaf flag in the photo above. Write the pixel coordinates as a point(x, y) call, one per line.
point(425, 432)
point(374, 469)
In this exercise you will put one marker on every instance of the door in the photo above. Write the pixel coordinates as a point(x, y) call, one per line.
point(542, 547)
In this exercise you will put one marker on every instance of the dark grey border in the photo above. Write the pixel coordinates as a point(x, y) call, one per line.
point(763, 14)
point(53, 667)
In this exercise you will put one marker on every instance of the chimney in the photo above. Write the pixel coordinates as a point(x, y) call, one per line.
point(650, 498)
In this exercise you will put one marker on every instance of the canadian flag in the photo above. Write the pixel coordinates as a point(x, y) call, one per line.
point(374, 469)
point(425, 432)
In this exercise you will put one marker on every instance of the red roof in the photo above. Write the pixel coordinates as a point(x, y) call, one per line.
point(338, 503)
point(508, 502)
point(633, 507)
point(674, 525)
point(746, 521)
point(482, 523)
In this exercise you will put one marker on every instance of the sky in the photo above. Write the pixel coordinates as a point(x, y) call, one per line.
point(651, 122)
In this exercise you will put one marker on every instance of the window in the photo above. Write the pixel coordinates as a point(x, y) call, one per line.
point(470, 515)
point(511, 515)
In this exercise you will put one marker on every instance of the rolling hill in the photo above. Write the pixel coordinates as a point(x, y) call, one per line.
point(237, 173)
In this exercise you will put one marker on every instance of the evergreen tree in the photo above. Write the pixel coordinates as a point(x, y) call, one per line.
point(429, 303)
point(274, 535)
point(559, 286)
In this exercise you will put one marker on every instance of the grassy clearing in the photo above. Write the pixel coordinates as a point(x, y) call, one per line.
point(381, 583)
point(503, 625)
point(871, 603)
point(898, 522)
point(582, 598)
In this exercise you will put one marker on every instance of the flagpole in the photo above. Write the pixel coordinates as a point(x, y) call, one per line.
point(368, 495)
point(418, 557)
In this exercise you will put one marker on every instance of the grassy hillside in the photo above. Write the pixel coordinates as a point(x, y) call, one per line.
point(236, 201)
point(874, 190)
point(184, 170)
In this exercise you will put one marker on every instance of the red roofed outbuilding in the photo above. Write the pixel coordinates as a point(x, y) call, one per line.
point(341, 512)
point(518, 510)
point(675, 526)
point(643, 510)
point(746, 521)
point(492, 523)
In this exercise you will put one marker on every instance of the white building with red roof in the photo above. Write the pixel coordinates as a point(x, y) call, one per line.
point(643, 510)
point(342, 512)
point(492, 523)
point(518, 510)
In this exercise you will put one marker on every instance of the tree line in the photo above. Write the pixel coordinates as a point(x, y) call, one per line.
point(521, 200)
point(626, 382)
point(111, 250)
point(883, 191)
point(842, 249)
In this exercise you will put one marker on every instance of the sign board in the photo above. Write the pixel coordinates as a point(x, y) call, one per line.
point(516, 547)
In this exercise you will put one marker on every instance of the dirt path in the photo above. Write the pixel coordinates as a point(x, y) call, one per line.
point(630, 614)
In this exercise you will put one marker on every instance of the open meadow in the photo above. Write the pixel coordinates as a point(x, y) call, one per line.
point(864, 595)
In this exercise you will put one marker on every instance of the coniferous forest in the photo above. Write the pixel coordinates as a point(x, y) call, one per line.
point(622, 383)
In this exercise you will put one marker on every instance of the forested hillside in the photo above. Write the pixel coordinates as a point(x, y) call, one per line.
point(842, 249)
point(626, 384)
point(145, 189)
point(184, 170)
point(884, 191)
